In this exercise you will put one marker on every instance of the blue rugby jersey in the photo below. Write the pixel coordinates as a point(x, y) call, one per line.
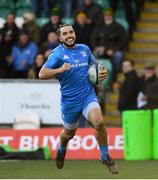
point(75, 85)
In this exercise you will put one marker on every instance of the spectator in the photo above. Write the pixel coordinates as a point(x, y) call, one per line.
point(3, 64)
point(10, 31)
point(23, 55)
point(52, 42)
point(130, 87)
point(51, 26)
point(93, 11)
point(31, 27)
point(9, 35)
point(128, 11)
point(82, 29)
point(148, 96)
point(109, 40)
point(34, 71)
point(69, 7)
point(139, 4)
point(38, 7)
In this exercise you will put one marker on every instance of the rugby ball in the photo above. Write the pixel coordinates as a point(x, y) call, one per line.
point(94, 72)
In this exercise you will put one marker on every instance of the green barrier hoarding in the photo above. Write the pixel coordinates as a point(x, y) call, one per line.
point(137, 134)
point(155, 134)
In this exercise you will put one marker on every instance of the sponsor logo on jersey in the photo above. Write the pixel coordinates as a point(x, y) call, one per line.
point(66, 57)
point(79, 65)
point(84, 54)
point(77, 60)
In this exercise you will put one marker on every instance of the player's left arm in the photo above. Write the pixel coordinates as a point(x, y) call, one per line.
point(91, 60)
point(103, 74)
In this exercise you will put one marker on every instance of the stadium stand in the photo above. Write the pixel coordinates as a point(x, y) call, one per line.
point(24, 4)
point(21, 11)
point(103, 3)
point(142, 49)
point(7, 4)
point(42, 21)
point(67, 20)
point(4, 12)
point(123, 22)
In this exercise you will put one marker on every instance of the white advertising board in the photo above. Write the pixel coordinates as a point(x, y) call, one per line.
point(42, 97)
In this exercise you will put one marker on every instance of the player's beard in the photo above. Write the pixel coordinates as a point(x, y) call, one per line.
point(69, 45)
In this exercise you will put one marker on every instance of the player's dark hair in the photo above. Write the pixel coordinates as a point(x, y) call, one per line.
point(61, 26)
point(130, 61)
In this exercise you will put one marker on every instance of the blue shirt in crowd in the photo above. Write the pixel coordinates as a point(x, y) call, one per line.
point(20, 55)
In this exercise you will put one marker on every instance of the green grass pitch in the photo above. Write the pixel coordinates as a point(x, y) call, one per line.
point(77, 169)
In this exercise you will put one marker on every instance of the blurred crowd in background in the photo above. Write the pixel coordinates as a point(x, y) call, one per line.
point(25, 47)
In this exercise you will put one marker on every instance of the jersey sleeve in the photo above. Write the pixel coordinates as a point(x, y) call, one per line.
point(52, 61)
point(91, 59)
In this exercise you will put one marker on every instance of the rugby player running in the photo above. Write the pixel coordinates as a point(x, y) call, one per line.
point(69, 63)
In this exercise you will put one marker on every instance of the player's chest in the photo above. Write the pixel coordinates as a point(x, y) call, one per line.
point(75, 57)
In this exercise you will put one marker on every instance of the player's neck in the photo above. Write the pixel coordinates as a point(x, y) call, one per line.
point(69, 47)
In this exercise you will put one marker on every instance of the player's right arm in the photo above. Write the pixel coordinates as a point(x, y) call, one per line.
point(53, 66)
point(47, 73)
